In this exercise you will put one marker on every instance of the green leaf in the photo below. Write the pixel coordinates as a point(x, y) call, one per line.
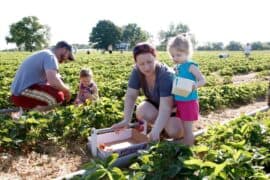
point(100, 173)
point(89, 165)
point(237, 144)
point(111, 159)
point(138, 176)
point(220, 168)
point(109, 174)
point(118, 174)
point(135, 166)
point(6, 139)
point(146, 167)
point(209, 164)
point(200, 148)
point(193, 162)
point(227, 148)
point(145, 158)
point(32, 121)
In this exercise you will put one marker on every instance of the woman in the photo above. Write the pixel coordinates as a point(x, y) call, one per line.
point(155, 79)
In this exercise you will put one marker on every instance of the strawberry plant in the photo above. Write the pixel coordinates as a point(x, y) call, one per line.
point(238, 150)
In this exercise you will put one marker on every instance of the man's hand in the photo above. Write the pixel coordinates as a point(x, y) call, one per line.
point(67, 95)
point(54, 80)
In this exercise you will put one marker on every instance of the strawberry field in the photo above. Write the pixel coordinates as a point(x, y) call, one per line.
point(240, 149)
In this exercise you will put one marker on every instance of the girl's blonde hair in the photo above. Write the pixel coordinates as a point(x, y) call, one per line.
point(181, 42)
point(86, 73)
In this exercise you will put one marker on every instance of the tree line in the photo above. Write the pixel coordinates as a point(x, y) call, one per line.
point(29, 34)
point(233, 46)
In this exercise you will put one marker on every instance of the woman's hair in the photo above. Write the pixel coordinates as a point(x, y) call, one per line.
point(142, 48)
point(181, 42)
point(86, 73)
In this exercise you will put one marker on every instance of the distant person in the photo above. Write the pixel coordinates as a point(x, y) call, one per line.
point(110, 48)
point(87, 87)
point(247, 50)
point(37, 83)
point(223, 55)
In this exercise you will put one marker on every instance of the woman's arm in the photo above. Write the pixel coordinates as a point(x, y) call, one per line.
point(164, 113)
point(130, 99)
point(198, 75)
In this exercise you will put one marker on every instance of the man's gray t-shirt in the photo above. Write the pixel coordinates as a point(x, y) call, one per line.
point(32, 71)
point(163, 85)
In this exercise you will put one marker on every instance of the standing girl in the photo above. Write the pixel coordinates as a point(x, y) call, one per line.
point(180, 49)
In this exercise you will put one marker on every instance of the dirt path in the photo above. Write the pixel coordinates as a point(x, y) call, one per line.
point(238, 79)
point(226, 114)
point(57, 161)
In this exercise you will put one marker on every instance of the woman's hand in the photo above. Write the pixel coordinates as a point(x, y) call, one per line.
point(154, 135)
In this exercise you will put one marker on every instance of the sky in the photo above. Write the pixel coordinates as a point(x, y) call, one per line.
point(210, 20)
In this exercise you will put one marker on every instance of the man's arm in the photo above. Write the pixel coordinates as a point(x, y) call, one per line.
point(55, 81)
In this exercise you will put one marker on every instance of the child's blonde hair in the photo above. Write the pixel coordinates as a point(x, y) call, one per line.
point(86, 73)
point(181, 42)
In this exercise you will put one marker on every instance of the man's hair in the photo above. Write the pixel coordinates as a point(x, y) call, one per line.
point(63, 44)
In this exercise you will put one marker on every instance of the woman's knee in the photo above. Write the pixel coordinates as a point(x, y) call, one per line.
point(146, 112)
point(139, 112)
point(174, 128)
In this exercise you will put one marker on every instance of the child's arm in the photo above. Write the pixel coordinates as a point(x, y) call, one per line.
point(94, 95)
point(199, 76)
point(77, 100)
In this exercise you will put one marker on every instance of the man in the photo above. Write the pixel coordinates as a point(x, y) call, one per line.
point(37, 83)
point(247, 50)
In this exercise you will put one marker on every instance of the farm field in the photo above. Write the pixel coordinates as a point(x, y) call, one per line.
point(53, 143)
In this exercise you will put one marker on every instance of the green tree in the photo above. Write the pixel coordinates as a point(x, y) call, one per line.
point(104, 34)
point(234, 46)
point(29, 34)
point(211, 46)
point(257, 45)
point(217, 46)
point(165, 35)
point(133, 34)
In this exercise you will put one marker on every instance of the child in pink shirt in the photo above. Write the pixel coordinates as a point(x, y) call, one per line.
point(87, 88)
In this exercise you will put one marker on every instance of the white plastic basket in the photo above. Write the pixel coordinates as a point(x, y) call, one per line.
point(182, 86)
point(124, 142)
